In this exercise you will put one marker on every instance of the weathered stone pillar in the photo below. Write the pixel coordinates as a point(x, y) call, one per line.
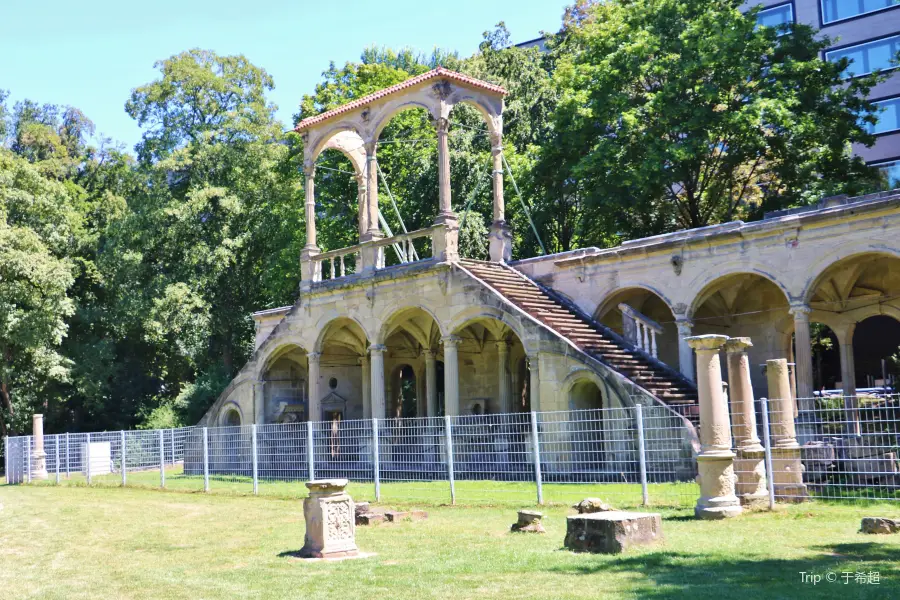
point(534, 383)
point(308, 268)
point(376, 352)
point(848, 377)
point(685, 353)
point(750, 463)
point(500, 236)
point(715, 460)
point(373, 231)
point(421, 395)
point(362, 200)
point(330, 520)
point(38, 464)
point(259, 402)
point(787, 470)
point(366, 382)
point(431, 384)
point(504, 403)
point(451, 375)
point(315, 400)
point(445, 213)
point(803, 359)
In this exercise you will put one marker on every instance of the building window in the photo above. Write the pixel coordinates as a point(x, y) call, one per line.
point(888, 116)
point(838, 10)
point(870, 57)
point(777, 16)
point(891, 172)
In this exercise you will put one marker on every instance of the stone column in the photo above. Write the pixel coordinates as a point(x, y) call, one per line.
point(848, 378)
point(504, 403)
point(451, 375)
point(500, 236)
point(307, 267)
point(685, 353)
point(366, 382)
point(421, 395)
point(376, 352)
point(534, 382)
point(715, 460)
point(431, 384)
point(803, 358)
point(443, 147)
point(787, 470)
point(259, 402)
point(38, 464)
point(373, 231)
point(330, 521)
point(750, 463)
point(362, 200)
point(314, 400)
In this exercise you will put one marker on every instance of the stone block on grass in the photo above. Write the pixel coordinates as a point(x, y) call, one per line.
point(879, 525)
point(612, 532)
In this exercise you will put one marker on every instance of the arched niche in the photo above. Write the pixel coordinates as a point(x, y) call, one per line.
point(853, 285)
point(649, 303)
point(285, 378)
point(876, 340)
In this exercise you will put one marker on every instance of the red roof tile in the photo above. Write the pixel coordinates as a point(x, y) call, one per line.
point(413, 81)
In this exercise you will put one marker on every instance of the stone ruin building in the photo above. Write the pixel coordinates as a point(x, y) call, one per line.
point(405, 326)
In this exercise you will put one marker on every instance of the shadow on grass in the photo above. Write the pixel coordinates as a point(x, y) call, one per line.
point(694, 576)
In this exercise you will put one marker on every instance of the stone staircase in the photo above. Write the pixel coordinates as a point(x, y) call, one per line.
point(589, 336)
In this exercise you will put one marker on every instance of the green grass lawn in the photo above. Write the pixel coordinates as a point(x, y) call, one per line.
point(74, 542)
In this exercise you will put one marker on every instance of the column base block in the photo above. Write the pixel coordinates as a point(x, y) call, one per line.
point(720, 511)
point(500, 240)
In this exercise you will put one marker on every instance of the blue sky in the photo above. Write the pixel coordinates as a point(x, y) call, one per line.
point(91, 54)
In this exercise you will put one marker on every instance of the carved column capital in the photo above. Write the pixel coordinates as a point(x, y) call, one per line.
point(451, 340)
point(377, 349)
point(738, 344)
point(800, 310)
point(313, 356)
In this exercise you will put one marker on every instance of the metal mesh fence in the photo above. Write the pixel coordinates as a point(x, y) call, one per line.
point(842, 448)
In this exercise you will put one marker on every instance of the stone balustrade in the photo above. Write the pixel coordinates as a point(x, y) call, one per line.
point(367, 257)
point(640, 329)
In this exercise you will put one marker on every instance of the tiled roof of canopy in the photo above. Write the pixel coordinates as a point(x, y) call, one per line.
point(439, 72)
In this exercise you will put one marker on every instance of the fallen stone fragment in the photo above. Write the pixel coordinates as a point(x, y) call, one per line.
point(369, 519)
point(395, 515)
point(879, 525)
point(592, 505)
point(361, 508)
point(418, 515)
point(612, 532)
point(529, 522)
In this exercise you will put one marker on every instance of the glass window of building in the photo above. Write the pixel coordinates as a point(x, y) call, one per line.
point(870, 57)
point(838, 10)
point(888, 116)
point(891, 172)
point(776, 16)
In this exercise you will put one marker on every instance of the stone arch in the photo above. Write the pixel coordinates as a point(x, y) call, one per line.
point(874, 339)
point(398, 312)
point(829, 265)
point(230, 415)
point(475, 313)
point(580, 377)
point(345, 139)
point(492, 116)
point(326, 325)
point(400, 404)
point(394, 108)
point(707, 284)
point(610, 301)
point(274, 349)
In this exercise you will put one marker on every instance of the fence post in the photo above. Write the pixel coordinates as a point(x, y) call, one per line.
point(770, 476)
point(310, 451)
point(162, 458)
point(172, 445)
point(205, 460)
point(449, 431)
point(536, 442)
point(68, 454)
point(375, 460)
point(124, 457)
point(254, 456)
point(28, 459)
point(642, 454)
point(57, 457)
point(88, 459)
point(6, 457)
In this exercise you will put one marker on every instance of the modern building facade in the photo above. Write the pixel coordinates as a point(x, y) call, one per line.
point(867, 32)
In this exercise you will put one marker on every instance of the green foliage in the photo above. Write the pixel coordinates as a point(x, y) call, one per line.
point(683, 113)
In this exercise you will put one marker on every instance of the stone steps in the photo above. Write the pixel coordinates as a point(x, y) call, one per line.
point(587, 336)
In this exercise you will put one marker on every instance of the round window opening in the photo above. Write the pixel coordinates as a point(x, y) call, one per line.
point(332, 383)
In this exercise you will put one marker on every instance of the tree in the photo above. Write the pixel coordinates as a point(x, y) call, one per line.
point(682, 113)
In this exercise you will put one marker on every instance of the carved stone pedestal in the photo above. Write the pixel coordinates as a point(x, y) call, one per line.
point(330, 525)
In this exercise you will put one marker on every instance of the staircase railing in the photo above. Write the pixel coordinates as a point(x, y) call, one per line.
point(641, 330)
